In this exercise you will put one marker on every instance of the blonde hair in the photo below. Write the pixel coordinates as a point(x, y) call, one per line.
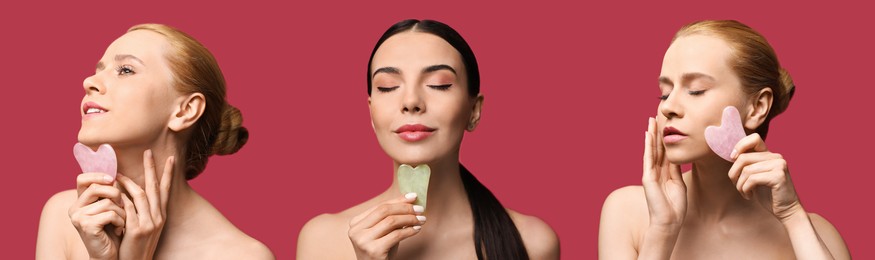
point(219, 130)
point(754, 61)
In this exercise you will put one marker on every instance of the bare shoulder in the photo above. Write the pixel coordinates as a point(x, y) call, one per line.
point(830, 236)
point(55, 228)
point(539, 238)
point(626, 203)
point(326, 236)
point(241, 246)
point(61, 202)
point(623, 219)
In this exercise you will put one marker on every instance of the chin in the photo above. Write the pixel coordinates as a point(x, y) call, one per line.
point(681, 156)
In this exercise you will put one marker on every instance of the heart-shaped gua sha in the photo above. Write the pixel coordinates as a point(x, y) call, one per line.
point(103, 160)
point(723, 139)
point(414, 180)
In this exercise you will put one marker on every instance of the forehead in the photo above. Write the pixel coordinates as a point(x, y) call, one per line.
point(696, 53)
point(146, 45)
point(416, 50)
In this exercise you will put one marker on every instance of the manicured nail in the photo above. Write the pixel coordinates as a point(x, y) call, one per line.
point(421, 219)
point(410, 196)
point(108, 178)
point(417, 228)
point(418, 209)
point(733, 154)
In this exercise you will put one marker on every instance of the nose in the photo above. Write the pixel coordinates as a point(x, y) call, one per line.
point(93, 84)
point(670, 107)
point(413, 101)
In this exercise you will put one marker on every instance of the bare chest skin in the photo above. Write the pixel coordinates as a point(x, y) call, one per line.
point(760, 238)
point(457, 243)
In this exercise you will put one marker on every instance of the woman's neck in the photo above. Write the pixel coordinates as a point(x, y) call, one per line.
point(711, 194)
point(447, 199)
point(131, 165)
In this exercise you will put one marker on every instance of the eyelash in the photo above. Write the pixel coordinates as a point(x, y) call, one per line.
point(692, 93)
point(124, 70)
point(441, 87)
point(436, 87)
point(386, 89)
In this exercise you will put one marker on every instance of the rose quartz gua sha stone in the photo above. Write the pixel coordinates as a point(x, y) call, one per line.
point(101, 161)
point(414, 180)
point(722, 139)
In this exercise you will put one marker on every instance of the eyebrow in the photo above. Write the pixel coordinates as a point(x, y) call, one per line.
point(686, 78)
point(438, 67)
point(390, 70)
point(118, 58)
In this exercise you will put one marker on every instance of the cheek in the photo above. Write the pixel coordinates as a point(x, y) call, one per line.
point(381, 114)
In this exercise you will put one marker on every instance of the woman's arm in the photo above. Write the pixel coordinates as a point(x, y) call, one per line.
point(756, 167)
point(813, 237)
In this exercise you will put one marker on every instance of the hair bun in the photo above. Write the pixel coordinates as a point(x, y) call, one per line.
point(788, 88)
point(232, 135)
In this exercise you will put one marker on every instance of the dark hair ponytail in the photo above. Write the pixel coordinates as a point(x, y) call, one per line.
point(494, 231)
point(495, 235)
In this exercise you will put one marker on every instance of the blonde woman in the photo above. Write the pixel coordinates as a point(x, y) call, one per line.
point(746, 209)
point(158, 97)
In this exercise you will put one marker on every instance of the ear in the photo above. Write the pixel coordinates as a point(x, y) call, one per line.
point(758, 108)
point(372, 116)
point(475, 113)
point(187, 112)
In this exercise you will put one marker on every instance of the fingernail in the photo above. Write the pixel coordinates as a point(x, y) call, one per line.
point(421, 219)
point(417, 228)
point(733, 154)
point(410, 196)
point(418, 209)
point(108, 178)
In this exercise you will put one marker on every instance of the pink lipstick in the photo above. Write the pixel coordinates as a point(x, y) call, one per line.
point(414, 132)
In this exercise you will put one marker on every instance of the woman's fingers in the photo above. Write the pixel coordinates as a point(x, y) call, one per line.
point(108, 217)
point(131, 213)
point(387, 210)
point(391, 239)
point(407, 198)
point(100, 207)
point(166, 180)
point(750, 143)
point(746, 159)
point(395, 222)
point(150, 186)
point(96, 192)
point(85, 180)
point(138, 196)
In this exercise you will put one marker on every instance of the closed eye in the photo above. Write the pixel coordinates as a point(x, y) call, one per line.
point(440, 87)
point(386, 89)
point(696, 92)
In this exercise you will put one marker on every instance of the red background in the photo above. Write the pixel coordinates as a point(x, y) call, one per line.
point(568, 89)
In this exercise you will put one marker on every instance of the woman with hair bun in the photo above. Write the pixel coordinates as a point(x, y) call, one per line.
point(157, 95)
point(738, 201)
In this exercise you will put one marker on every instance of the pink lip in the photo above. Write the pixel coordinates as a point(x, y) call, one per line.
point(672, 135)
point(89, 105)
point(414, 132)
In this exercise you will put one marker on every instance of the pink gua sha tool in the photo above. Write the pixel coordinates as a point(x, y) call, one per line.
point(103, 160)
point(723, 139)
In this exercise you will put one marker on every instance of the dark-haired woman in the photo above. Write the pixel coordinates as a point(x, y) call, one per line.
point(424, 93)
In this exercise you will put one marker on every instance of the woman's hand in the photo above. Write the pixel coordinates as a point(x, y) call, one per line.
point(146, 214)
point(97, 215)
point(375, 233)
point(664, 186)
point(764, 175)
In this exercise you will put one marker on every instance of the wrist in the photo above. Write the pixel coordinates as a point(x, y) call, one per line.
point(795, 218)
